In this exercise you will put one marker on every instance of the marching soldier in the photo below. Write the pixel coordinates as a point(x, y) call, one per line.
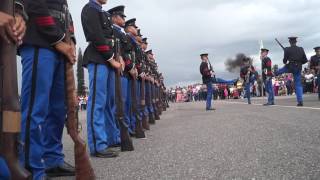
point(44, 53)
point(267, 75)
point(207, 73)
point(12, 30)
point(315, 65)
point(294, 58)
point(99, 60)
point(248, 74)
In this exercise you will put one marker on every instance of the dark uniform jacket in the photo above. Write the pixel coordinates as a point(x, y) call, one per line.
point(126, 49)
point(244, 71)
point(314, 63)
point(47, 22)
point(139, 59)
point(205, 72)
point(266, 68)
point(295, 55)
point(98, 31)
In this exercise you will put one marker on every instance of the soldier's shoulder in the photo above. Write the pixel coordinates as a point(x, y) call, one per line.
point(313, 57)
point(267, 59)
point(87, 10)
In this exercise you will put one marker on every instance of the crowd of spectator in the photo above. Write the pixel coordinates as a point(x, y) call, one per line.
point(283, 86)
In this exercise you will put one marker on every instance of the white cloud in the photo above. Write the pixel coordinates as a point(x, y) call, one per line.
point(180, 30)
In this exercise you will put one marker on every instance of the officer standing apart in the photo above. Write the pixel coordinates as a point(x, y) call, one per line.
point(12, 30)
point(44, 53)
point(267, 75)
point(294, 58)
point(315, 65)
point(248, 74)
point(100, 62)
point(207, 73)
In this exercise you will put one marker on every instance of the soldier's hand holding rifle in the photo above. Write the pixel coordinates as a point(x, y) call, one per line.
point(68, 50)
point(12, 29)
point(6, 27)
point(115, 64)
point(19, 28)
point(123, 64)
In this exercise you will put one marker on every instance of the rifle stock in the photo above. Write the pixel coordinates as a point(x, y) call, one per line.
point(145, 123)
point(84, 170)
point(10, 115)
point(126, 141)
point(139, 130)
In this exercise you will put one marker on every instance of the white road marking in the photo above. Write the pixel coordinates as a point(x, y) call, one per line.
point(294, 107)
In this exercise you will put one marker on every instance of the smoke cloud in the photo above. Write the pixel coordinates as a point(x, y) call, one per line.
point(234, 64)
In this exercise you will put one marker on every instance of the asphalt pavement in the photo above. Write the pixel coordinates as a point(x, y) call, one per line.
point(235, 142)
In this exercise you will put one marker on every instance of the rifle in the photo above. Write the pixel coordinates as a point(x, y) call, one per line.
point(213, 77)
point(149, 95)
point(248, 76)
point(155, 100)
point(158, 99)
point(84, 170)
point(145, 123)
point(280, 44)
point(126, 141)
point(139, 131)
point(10, 113)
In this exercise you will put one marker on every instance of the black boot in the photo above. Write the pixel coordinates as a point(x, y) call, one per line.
point(151, 119)
point(300, 104)
point(139, 130)
point(156, 116)
point(145, 123)
point(64, 169)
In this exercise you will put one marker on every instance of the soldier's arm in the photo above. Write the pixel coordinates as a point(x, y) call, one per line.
point(95, 34)
point(6, 27)
point(71, 29)
point(20, 20)
point(46, 24)
point(204, 70)
point(304, 58)
point(242, 74)
point(285, 56)
point(269, 67)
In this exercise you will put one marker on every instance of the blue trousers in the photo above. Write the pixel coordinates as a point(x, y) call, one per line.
point(297, 81)
point(149, 108)
point(4, 171)
point(248, 92)
point(126, 98)
point(270, 91)
point(100, 126)
point(43, 109)
point(132, 114)
point(318, 83)
point(209, 95)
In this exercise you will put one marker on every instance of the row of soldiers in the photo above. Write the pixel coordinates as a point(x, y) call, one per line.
point(293, 60)
point(126, 89)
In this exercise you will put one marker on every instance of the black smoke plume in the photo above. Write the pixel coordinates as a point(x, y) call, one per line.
point(234, 64)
